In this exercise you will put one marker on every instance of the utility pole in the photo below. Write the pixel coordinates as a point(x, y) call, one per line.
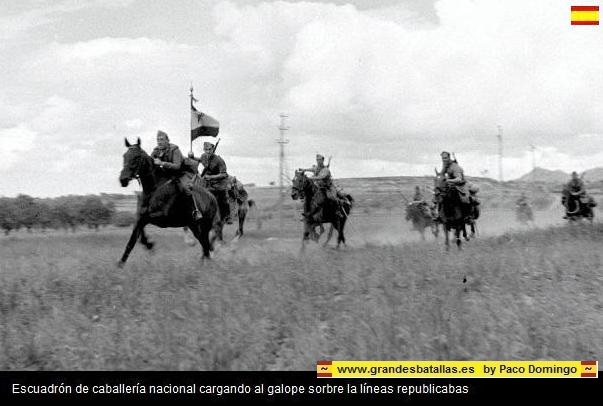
point(533, 149)
point(281, 191)
point(500, 153)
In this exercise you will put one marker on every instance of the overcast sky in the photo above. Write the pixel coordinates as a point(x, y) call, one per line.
point(381, 86)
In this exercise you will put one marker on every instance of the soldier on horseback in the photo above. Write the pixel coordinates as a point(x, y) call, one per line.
point(236, 190)
point(216, 178)
point(455, 177)
point(322, 178)
point(575, 189)
point(420, 203)
point(170, 167)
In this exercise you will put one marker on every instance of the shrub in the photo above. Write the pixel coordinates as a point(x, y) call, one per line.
point(123, 219)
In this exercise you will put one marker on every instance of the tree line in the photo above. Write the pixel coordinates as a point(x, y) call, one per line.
point(65, 212)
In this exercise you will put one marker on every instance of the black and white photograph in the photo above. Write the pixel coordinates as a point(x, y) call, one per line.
point(258, 185)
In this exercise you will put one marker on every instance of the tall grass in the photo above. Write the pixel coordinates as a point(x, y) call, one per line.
point(262, 305)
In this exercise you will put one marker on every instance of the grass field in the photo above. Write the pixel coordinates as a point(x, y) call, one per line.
point(260, 304)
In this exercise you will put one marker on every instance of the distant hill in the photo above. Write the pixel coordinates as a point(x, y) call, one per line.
point(594, 175)
point(545, 175)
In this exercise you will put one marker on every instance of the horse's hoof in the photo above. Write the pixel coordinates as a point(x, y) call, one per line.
point(120, 264)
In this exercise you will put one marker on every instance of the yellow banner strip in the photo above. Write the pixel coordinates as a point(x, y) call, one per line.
point(457, 369)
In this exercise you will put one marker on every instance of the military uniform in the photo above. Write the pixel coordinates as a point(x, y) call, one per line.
point(576, 186)
point(236, 190)
point(418, 197)
point(323, 179)
point(456, 177)
point(419, 200)
point(467, 193)
point(214, 165)
point(172, 161)
point(173, 168)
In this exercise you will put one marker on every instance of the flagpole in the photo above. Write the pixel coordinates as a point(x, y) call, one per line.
point(192, 98)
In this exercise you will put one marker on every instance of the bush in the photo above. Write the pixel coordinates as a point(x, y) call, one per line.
point(123, 219)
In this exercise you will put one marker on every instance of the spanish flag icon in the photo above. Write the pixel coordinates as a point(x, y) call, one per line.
point(324, 369)
point(585, 15)
point(589, 369)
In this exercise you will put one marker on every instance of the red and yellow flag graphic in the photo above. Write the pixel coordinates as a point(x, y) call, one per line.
point(324, 369)
point(585, 15)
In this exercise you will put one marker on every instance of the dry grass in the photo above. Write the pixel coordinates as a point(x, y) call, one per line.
point(262, 305)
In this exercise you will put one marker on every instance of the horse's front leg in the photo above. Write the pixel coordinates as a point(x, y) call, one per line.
point(446, 237)
point(329, 235)
point(145, 241)
point(138, 227)
point(340, 236)
point(306, 235)
point(201, 233)
point(457, 235)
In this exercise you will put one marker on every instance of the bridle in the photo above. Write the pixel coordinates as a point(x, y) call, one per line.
point(299, 190)
point(136, 174)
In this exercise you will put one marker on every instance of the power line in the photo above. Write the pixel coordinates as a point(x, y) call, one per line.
point(281, 192)
point(500, 153)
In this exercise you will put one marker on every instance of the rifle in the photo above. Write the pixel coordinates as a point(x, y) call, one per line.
point(213, 152)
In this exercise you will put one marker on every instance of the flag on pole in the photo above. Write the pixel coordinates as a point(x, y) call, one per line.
point(203, 125)
point(585, 15)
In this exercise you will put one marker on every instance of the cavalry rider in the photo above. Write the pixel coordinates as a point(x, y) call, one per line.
point(170, 167)
point(216, 178)
point(455, 177)
point(236, 190)
point(322, 178)
point(522, 201)
point(575, 187)
point(420, 202)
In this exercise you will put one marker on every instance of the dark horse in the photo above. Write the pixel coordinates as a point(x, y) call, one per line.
point(242, 208)
point(305, 189)
point(138, 164)
point(455, 214)
point(578, 207)
point(239, 204)
point(239, 208)
point(421, 217)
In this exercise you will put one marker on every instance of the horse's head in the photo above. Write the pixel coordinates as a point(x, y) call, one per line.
point(299, 183)
point(133, 161)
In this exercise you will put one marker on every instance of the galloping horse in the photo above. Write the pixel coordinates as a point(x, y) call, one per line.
point(454, 213)
point(239, 203)
point(305, 189)
point(238, 208)
point(151, 210)
point(420, 216)
point(579, 207)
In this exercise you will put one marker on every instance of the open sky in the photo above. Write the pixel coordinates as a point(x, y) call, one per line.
point(382, 86)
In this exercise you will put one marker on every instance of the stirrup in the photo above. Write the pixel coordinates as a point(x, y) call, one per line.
point(197, 215)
